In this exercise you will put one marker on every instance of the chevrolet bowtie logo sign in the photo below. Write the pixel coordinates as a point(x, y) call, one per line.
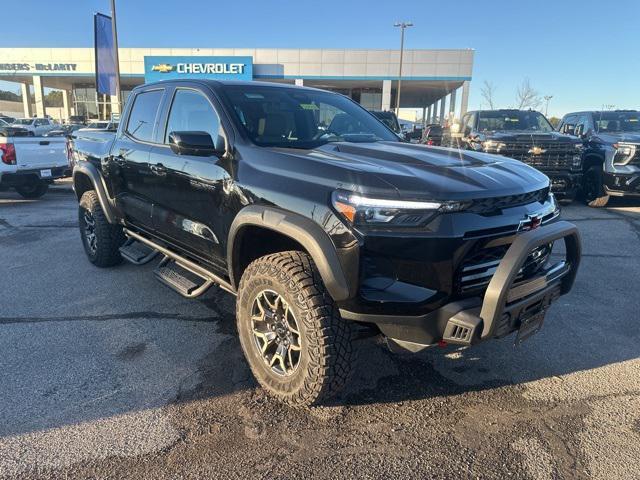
point(537, 151)
point(163, 68)
point(530, 222)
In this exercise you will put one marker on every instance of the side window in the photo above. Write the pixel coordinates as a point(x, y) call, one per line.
point(569, 124)
point(584, 124)
point(143, 115)
point(191, 111)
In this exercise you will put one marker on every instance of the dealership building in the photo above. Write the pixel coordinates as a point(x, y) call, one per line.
point(436, 81)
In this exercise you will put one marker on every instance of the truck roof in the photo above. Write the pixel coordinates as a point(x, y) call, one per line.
point(217, 84)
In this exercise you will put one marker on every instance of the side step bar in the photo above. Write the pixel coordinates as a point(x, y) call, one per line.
point(177, 278)
point(138, 254)
point(186, 264)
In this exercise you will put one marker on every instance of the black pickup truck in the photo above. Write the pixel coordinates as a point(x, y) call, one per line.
point(322, 223)
point(612, 153)
point(525, 135)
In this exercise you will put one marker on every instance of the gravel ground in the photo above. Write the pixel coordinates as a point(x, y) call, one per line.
point(108, 374)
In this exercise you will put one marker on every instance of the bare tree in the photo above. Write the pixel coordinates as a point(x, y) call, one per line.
point(527, 96)
point(488, 91)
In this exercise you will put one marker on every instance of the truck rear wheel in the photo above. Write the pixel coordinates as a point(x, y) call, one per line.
point(100, 239)
point(592, 188)
point(298, 347)
point(32, 189)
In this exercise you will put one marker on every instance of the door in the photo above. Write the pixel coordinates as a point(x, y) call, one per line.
point(190, 193)
point(128, 172)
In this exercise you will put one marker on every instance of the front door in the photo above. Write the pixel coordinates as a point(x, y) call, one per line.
point(189, 201)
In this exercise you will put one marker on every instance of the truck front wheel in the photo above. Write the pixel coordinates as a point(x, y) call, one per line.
point(298, 347)
point(100, 239)
point(32, 189)
point(592, 188)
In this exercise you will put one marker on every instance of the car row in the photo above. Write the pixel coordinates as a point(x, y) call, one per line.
point(595, 153)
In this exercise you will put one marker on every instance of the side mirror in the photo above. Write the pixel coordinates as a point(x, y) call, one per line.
point(193, 143)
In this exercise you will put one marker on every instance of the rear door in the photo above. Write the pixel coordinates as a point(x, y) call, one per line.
point(190, 194)
point(129, 176)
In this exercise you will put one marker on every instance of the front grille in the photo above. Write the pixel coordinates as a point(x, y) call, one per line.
point(478, 269)
point(492, 204)
point(556, 156)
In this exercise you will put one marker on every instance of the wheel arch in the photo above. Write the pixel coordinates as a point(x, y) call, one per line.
point(292, 230)
point(87, 177)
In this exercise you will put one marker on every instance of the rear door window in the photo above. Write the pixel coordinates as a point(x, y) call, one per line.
point(143, 115)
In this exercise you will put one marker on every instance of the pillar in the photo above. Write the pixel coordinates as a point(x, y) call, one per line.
point(26, 100)
point(386, 95)
point(434, 117)
point(38, 93)
point(424, 116)
point(443, 102)
point(452, 104)
point(299, 82)
point(115, 105)
point(66, 112)
point(464, 101)
point(428, 117)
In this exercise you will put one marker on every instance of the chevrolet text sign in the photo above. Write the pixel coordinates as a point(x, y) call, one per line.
point(215, 68)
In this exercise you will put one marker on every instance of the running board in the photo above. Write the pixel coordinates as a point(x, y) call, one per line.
point(183, 262)
point(182, 280)
point(137, 253)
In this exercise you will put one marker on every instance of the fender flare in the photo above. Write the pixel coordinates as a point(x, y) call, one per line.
point(301, 229)
point(96, 179)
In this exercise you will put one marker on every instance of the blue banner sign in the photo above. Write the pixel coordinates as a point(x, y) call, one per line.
point(215, 68)
point(105, 55)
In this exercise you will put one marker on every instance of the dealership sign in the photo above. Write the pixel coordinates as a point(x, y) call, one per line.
point(216, 68)
point(38, 67)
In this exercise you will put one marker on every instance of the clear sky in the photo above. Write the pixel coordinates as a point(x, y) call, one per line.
point(585, 53)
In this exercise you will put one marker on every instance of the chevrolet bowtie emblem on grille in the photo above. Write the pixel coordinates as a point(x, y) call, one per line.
point(530, 222)
point(162, 68)
point(537, 150)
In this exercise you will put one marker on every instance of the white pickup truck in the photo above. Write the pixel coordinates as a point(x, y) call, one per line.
point(30, 164)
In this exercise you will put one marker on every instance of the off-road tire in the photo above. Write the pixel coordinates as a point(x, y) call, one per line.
point(326, 340)
point(109, 238)
point(32, 190)
point(596, 198)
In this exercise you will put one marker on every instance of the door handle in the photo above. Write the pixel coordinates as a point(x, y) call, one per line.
point(158, 169)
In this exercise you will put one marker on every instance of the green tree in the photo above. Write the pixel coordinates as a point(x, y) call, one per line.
point(53, 99)
point(10, 96)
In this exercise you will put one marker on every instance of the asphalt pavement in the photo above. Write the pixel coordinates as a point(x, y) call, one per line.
point(106, 373)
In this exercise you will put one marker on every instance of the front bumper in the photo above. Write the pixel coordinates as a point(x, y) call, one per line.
point(564, 184)
point(506, 304)
point(622, 185)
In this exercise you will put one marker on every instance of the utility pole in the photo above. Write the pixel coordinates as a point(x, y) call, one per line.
point(114, 33)
point(402, 26)
point(546, 108)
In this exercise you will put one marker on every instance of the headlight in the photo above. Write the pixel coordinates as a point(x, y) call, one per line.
point(624, 153)
point(360, 210)
point(579, 147)
point(492, 146)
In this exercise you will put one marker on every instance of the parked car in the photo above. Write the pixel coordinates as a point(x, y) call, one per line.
point(612, 153)
point(527, 136)
point(6, 119)
point(64, 130)
point(77, 120)
point(36, 126)
point(389, 119)
point(102, 125)
point(319, 231)
point(432, 135)
point(30, 165)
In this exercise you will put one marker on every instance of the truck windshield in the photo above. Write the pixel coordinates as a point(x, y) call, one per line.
point(514, 120)
point(618, 122)
point(297, 118)
point(389, 119)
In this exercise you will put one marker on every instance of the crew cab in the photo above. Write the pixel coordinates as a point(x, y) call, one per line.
point(322, 223)
point(612, 153)
point(28, 164)
point(527, 136)
point(35, 126)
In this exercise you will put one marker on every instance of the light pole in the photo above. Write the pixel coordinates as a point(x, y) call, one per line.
point(402, 26)
point(546, 108)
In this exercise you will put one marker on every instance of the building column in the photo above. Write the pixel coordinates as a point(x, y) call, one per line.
point(386, 95)
point(434, 111)
point(115, 105)
point(442, 109)
point(464, 101)
point(299, 82)
point(424, 116)
point(452, 104)
point(428, 117)
point(66, 113)
point(38, 93)
point(26, 100)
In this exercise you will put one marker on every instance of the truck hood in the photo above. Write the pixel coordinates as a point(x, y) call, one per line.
point(528, 136)
point(418, 171)
point(619, 137)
